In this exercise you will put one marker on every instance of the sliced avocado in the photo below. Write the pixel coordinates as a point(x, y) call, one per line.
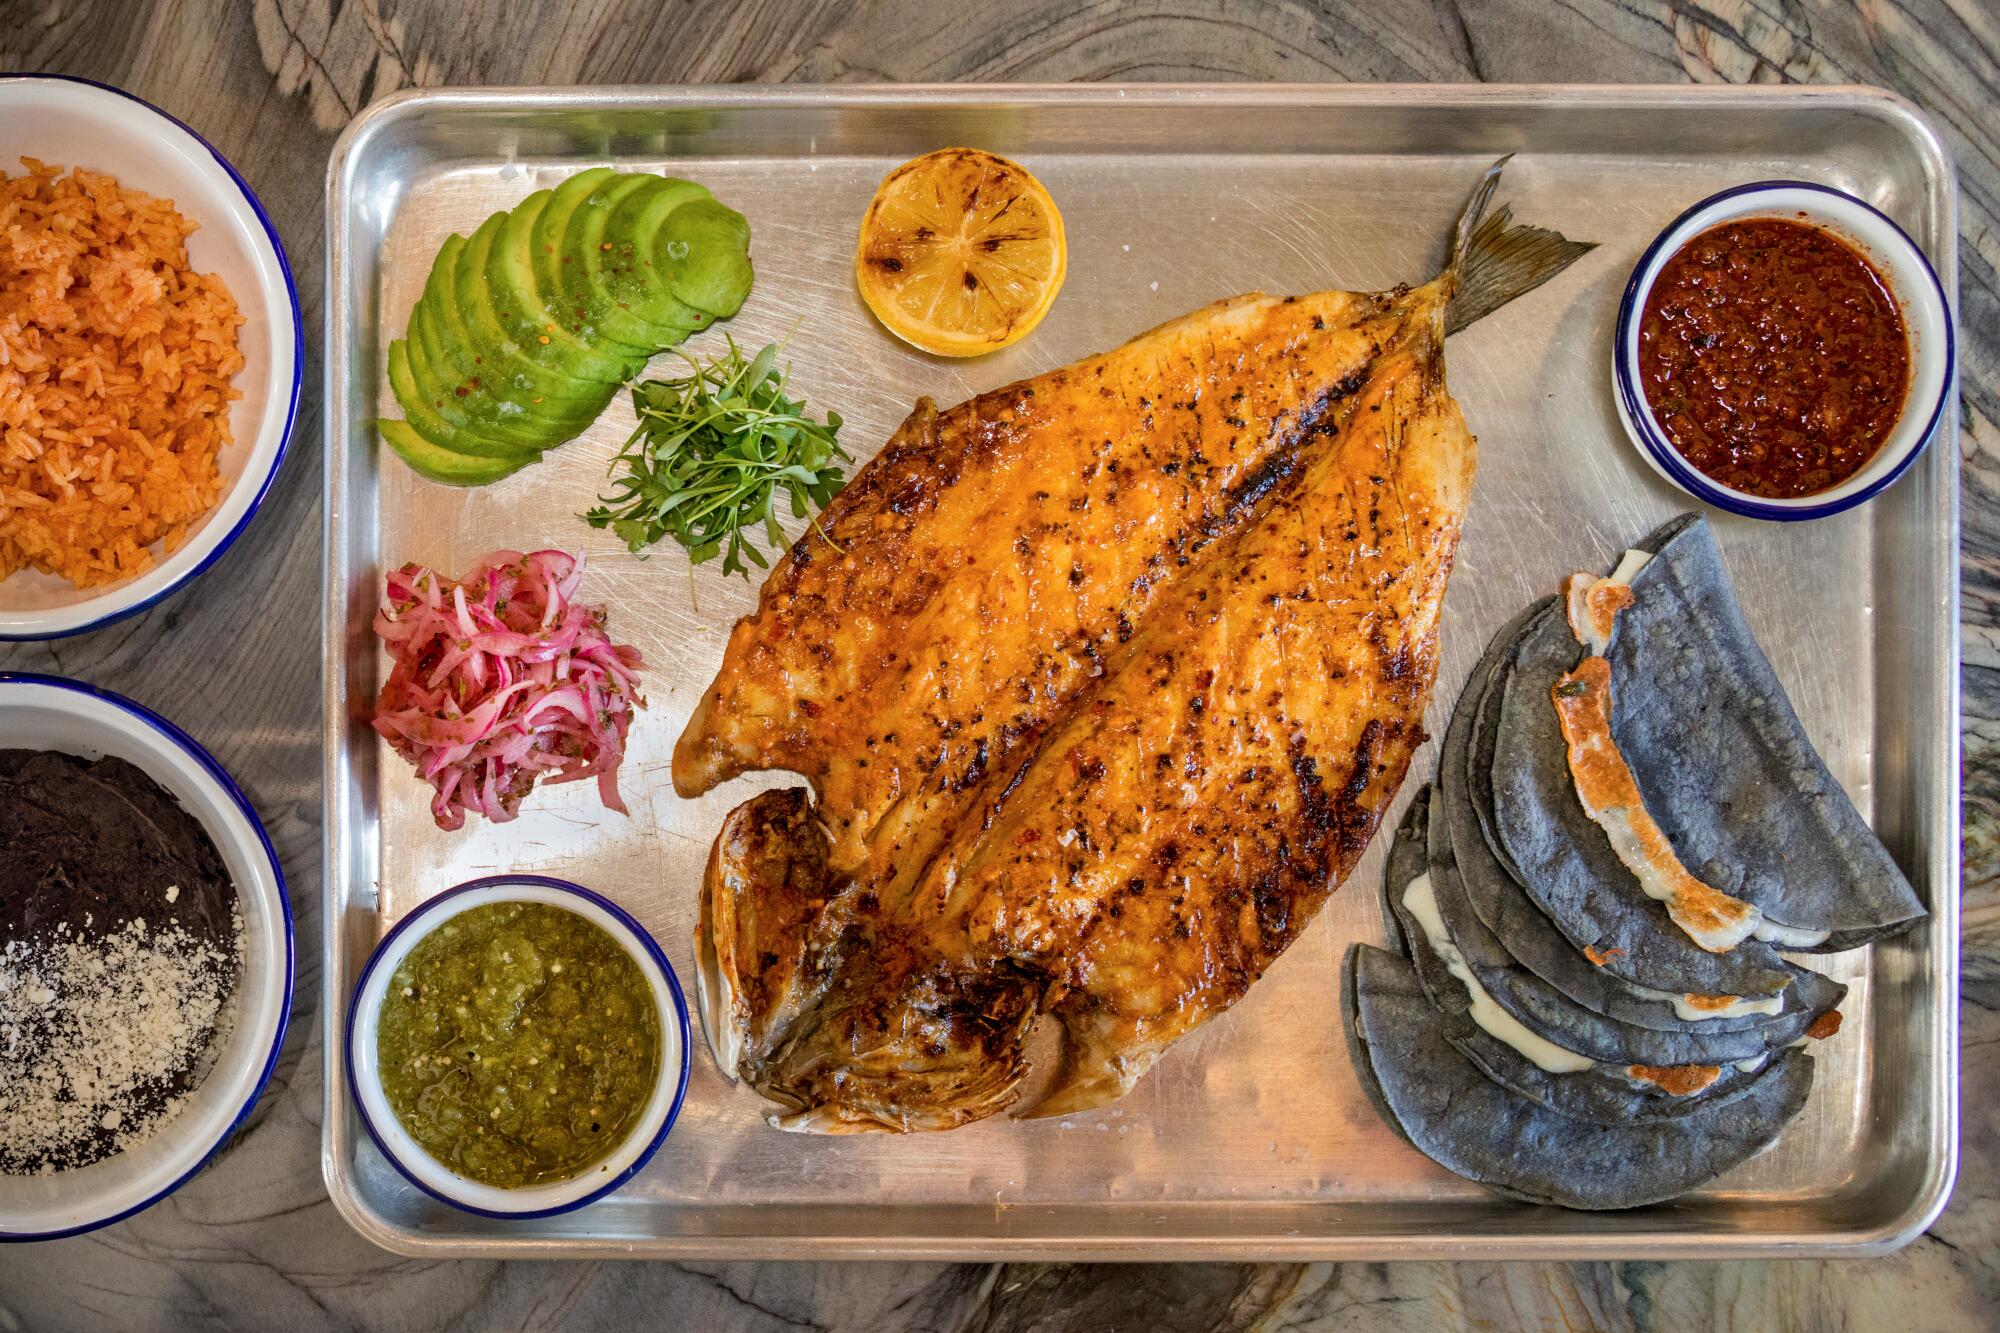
point(554, 263)
point(613, 249)
point(445, 465)
point(705, 248)
point(449, 377)
point(485, 387)
point(529, 327)
point(546, 240)
point(514, 362)
point(461, 398)
point(425, 420)
point(584, 246)
point(438, 280)
point(429, 351)
point(517, 302)
point(440, 386)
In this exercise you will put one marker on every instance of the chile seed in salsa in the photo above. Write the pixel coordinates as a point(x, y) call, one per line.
point(1774, 357)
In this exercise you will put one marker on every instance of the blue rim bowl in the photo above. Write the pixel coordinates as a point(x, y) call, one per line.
point(1926, 314)
point(167, 149)
point(52, 712)
point(433, 1177)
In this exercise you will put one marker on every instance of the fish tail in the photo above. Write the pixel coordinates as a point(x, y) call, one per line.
point(1494, 261)
point(1473, 214)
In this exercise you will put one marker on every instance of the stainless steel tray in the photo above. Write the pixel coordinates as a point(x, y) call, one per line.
point(1252, 1138)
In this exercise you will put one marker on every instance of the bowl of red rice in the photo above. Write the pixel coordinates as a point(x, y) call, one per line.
point(150, 355)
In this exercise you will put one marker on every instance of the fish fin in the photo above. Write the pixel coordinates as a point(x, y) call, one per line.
point(1494, 261)
point(1095, 1072)
point(1474, 213)
point(1106, 1051)
point(829, 1120)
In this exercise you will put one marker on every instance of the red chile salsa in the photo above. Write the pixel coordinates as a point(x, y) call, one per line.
point(1774, 357)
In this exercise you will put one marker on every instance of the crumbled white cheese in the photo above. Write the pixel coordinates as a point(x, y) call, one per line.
point(91, 1029)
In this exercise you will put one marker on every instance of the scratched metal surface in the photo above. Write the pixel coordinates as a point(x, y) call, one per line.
point(1252, 1137)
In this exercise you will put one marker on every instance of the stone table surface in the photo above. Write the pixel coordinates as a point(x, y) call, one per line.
point(254, 1243)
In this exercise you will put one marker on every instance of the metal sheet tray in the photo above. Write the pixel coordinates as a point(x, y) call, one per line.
point(1251, 1138)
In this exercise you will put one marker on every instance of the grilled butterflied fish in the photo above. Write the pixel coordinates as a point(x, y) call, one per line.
point(1102, 682)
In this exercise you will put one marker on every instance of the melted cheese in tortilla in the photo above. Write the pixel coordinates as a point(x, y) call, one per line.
point(1789, 937)
point(1592, 606)
point(1420, 901)
point(1700, 1008)
point(1610, 795)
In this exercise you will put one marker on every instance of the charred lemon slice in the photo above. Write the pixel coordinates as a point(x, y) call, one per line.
point(961, 252)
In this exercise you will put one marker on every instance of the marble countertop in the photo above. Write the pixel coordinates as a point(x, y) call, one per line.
point(254, 1243)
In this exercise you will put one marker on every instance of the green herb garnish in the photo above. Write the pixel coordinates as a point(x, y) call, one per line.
point(711, 454)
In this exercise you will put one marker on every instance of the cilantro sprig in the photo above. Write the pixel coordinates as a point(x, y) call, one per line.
point(713, 451)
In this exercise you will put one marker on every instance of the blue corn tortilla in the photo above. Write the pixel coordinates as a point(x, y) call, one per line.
point(1607, 1094)
point(1724, 765)
point(1548, 1013)
point(1526, 932)
point(1524, 882)
point(1408, 858)
point(1563, 859)
point(1452, 1113)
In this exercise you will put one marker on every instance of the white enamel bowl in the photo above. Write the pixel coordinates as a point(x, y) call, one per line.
point(49, 713)
point(433, 1177)
point(72, 123)
point(1912, 281)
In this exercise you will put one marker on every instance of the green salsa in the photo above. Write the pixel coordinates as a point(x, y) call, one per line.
point(518, 1043)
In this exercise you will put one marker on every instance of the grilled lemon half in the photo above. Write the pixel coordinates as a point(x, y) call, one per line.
point(962, 252)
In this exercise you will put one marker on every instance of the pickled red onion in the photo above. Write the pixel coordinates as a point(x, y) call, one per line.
point(502, 678)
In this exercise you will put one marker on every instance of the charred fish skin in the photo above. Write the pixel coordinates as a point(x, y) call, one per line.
point(1272, 639)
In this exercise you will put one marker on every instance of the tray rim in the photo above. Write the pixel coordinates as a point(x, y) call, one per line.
point(1944, 825)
